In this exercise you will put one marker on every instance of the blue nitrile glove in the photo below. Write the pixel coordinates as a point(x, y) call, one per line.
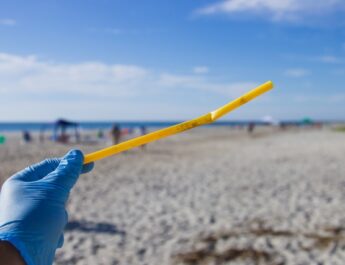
point(32, 206)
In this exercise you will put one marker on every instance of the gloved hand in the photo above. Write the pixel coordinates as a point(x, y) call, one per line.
point(32, 206)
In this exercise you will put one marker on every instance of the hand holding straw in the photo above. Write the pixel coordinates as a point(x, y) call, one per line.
point(187, 125)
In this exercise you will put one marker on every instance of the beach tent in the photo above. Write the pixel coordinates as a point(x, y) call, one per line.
point(307, 121)
point(60, 130)
point(269, 120)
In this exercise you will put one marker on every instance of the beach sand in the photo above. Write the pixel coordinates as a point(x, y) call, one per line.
point(209, 196)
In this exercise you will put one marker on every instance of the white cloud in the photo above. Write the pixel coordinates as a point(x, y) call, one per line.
point(335, 98)
point(13, 64)
point(8, 22)
point(95, 90)
point(36, 89)
point(328, 59)
point(277, 10)
point(232, 89)
point(235, 89)
point(328, 98)
point(27, 74)
point(201, 70)
point(126, 31)
point(172, 80)
point(297, 72)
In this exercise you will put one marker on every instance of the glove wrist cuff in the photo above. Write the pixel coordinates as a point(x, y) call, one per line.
point(19, 246)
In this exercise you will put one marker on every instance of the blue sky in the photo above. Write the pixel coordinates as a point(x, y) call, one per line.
point(170, 59)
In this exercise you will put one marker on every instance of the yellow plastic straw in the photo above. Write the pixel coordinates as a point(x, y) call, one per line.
point(187, 125)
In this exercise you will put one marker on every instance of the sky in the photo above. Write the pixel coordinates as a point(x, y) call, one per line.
point(102, 60)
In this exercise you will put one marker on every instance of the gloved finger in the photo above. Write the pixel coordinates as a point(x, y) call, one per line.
point(61, 238)
point(67, 172)
point(37, 171)
point(87, 168)
point(61, 241)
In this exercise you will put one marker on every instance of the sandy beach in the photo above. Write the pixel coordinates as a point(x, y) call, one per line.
point(209, 196)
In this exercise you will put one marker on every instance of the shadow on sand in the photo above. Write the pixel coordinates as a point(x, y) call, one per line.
point(93, 227)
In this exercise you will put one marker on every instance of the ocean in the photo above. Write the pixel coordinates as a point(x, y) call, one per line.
point(92, 125)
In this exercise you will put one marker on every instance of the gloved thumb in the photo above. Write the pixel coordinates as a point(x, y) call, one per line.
point(67, 172)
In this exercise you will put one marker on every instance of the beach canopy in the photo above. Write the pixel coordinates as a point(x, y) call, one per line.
point(307, 121)
point(60, 130)
point(65, 123)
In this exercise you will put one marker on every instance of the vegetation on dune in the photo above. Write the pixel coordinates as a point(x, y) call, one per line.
point(340, 129)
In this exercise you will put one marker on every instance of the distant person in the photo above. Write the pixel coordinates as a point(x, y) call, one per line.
point(41, 135)
point(100, 134)
point(33, 209)
point(116, 133)
point(251, 127)
point(77, 136)
point(27, 137)
point(143, 131)
point(63, 138)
